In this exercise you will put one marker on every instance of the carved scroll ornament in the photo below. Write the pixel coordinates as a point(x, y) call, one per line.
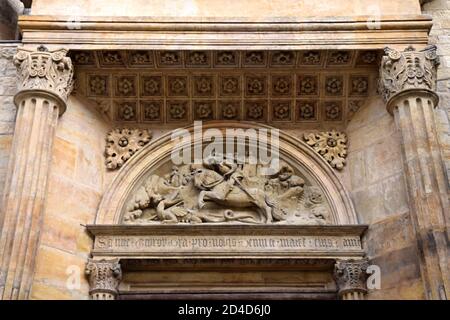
point(122, 143)
point(409, 69)
point(330, 145)
point(48, 71)
point(224, 191)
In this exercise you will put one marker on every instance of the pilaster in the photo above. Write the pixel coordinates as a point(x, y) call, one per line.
point(408, 82)
point(44, 81)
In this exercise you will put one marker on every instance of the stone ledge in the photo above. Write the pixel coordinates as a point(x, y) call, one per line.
point(213, 33)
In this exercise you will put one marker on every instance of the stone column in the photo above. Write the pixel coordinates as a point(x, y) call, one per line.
point(407, 82)
point(45, 81)
point(351, 279)
point(104, 278)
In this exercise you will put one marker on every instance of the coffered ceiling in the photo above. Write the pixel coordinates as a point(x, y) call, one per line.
point(174, 88)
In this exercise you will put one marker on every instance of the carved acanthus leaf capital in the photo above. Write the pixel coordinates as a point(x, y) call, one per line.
point(406, 70)
point(43, 70)
point(104, 276)
point(331, 145)
point(351, 275)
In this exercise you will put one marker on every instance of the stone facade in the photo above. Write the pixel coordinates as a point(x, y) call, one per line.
point(88, 184)
point(378, 188)
point(439, 10)
point(8, 88)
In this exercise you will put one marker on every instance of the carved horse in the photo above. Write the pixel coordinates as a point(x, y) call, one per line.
point(228, 194)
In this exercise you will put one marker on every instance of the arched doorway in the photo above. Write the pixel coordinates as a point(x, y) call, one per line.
point(227, 228)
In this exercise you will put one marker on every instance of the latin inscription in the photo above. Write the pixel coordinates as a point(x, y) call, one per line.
point(235, 243)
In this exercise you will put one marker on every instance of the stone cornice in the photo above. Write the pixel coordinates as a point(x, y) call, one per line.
point(213, 33)
point(44, 72)
point(408, 70)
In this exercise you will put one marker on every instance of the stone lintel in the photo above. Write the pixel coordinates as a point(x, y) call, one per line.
point(360, 32)
point(227, 241)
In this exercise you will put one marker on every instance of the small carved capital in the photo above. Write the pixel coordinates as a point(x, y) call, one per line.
point(45, 71)
point(351, 276)
point(407, 70)
point(122, 143)
point(331, 145)
point(104, 278)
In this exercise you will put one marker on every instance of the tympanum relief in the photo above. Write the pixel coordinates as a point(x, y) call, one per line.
point(223, 190)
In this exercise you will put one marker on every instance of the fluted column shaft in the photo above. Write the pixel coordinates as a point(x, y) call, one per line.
point(44, 83)
point(408, 82)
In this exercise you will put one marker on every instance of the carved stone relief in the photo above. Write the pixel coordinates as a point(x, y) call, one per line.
point(351, 277)
point(226, 191)
point(330, 145)
point(353, 107)
point(121, 144)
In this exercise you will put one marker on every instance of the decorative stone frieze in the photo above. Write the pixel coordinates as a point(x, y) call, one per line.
point(46, 71)
point(45, 81)
point(331, 145)
point(104, 278)
point(122, 143)
point(407, 82)
point(351, 278)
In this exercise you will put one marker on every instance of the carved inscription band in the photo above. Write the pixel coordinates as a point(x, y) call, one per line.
point(224, 245)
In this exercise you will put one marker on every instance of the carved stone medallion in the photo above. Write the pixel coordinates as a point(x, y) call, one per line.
point(121, 144)
point(330, 145)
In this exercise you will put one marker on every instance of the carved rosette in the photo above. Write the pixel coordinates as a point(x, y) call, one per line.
point(104, 278)
point(408, 70)
point(122, 143)
point(44, 71)
point(331, 145)
point(351, 278)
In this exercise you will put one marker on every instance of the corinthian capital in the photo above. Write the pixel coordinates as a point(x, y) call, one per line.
point(408, 70)
point(351, 276)
point(104, 278)
point(45, 71)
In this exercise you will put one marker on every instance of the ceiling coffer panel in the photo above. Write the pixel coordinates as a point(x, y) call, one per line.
point(281, 88)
